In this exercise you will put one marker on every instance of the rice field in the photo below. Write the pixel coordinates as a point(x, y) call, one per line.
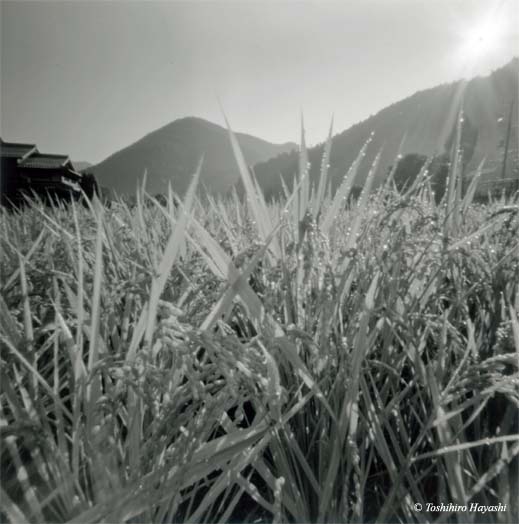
point(311, 359)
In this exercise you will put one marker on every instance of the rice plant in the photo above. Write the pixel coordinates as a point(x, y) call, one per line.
point(313, 359)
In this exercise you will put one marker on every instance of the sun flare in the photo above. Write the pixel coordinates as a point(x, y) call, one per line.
point(482, 39)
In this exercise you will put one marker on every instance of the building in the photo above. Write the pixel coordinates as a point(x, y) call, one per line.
point(24, 170)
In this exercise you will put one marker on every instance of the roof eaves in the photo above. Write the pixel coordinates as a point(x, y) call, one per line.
point(15, 150)
point(28, 154)
point(65, 158)
point(75, 174)
point(41, 161)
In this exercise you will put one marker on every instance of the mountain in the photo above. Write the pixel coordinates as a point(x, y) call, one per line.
point(171, 154)
point(80, 165)
point(427, 119)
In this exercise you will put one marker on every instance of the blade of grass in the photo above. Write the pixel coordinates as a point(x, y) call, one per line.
point(343, 192)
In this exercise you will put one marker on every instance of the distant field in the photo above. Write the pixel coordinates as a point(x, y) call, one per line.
point(314, 359)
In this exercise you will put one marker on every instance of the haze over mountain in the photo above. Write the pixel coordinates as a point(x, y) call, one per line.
point(81, 165)
point(427, 119)
point(171, 154)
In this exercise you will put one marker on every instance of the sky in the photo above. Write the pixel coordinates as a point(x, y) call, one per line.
point(89, 78)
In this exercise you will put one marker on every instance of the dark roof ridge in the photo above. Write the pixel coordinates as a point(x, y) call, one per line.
point(39, 154)
point(23, 144)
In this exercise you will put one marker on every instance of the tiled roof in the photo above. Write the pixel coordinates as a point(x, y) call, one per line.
point(42, 161)
point(14, 150)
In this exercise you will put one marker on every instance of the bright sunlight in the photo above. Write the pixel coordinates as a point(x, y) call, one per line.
point(485, 34)
point(482, 39)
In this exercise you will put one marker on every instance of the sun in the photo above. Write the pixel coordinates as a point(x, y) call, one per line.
point(481, 39)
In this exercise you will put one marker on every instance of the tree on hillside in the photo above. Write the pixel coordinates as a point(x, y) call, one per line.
point(407, 170)
point(410, 165)
point(439, 170)
point(468, 141)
